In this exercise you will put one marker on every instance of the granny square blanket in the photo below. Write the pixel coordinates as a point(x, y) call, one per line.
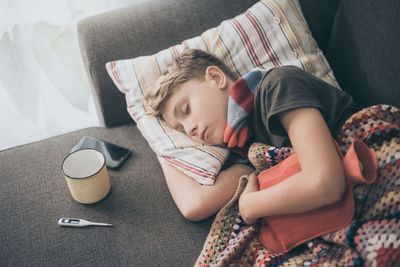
point(371, 239)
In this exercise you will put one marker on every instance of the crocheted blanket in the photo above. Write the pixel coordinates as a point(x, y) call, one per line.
point(371, 239)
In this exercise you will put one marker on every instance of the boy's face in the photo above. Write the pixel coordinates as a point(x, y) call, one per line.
point(199, 108)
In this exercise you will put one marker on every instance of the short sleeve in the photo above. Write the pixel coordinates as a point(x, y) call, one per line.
point(282, 89)
point(289, 87)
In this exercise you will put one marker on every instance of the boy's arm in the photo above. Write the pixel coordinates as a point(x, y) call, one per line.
point(197, 202)
point(321, 181)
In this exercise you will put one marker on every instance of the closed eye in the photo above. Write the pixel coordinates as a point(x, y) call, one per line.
point(185, 108)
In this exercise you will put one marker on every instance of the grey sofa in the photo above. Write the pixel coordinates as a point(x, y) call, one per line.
point(361, 39)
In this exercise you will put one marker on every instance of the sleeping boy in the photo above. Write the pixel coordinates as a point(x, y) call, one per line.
point(285, 106)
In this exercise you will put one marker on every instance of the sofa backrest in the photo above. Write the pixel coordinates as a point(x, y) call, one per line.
point(320, 15)
point(364, 50)
point(142, 29)
point(359, 37)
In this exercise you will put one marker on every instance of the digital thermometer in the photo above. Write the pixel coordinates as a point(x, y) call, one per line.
point(79, 222)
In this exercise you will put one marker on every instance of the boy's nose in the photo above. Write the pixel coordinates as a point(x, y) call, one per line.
point(192, 129)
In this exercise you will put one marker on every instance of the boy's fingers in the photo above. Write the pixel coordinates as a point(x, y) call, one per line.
point(253, 178)
point(253, 175)
point(252, 183)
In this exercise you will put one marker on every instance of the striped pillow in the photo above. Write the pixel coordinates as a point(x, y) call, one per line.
point(269, 34)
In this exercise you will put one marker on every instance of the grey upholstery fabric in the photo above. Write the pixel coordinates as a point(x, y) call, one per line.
point(320, 15)
point(149, 230)
point(364, 50)
point(143, 29)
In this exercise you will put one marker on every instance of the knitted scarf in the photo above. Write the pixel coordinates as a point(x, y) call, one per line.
point(240, 106)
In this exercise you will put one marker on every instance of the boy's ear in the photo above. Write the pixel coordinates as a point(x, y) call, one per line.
point(215, 74)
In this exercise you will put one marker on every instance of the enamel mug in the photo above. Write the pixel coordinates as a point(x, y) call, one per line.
point(86, 174)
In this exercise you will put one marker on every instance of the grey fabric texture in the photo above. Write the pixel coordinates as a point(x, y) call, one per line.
point(364, 50)
point(149, 230)
point(139, 30)
point(320, 15)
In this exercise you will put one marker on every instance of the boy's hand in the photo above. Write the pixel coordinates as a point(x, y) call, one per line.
point(245, 205)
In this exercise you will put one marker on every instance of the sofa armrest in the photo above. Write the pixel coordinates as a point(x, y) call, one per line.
point(142, 29)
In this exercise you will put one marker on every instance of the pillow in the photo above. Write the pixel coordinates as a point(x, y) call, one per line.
point(269, 34)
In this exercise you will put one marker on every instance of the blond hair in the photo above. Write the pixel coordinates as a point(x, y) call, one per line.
point(191, 64)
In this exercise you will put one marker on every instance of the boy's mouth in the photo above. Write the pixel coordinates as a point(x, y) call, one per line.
point(203, 135)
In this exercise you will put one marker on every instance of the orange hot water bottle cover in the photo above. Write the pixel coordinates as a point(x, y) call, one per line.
point(284, 232)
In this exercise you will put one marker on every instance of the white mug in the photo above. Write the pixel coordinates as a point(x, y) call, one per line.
point(86, 174)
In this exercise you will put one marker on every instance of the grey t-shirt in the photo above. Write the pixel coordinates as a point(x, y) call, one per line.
point(288, 87)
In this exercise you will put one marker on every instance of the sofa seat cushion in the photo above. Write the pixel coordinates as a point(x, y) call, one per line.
point(148, 228)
